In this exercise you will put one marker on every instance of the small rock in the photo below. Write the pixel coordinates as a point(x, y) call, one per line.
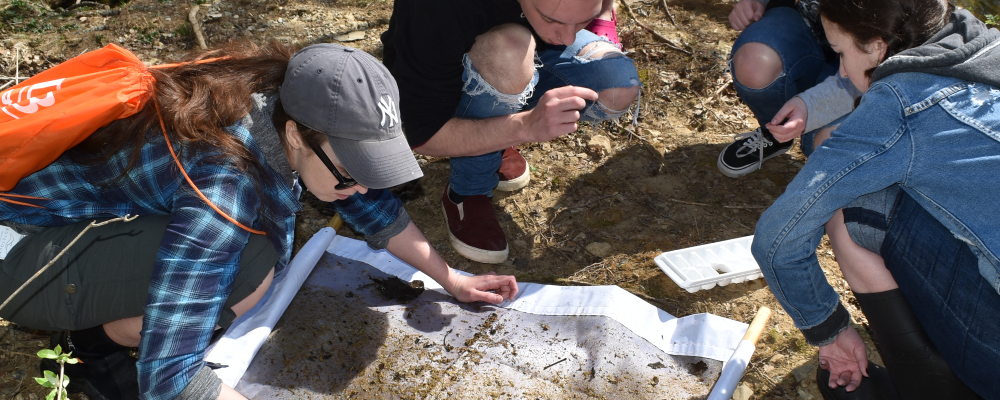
point(600, 249)
point(777, 358)
point(350, 37)
point(803, 371)
point(805, 395)
point(768, 368)
point(742, 392)
point(600, 143)
point(83, 19)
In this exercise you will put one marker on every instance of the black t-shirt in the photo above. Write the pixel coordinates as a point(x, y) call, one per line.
point(423, 49)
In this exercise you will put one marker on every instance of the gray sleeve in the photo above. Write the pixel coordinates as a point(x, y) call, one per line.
point(379, 240)
point(831, 99)
point(205, 385)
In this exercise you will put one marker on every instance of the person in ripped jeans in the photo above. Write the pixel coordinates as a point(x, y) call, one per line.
point(476, 79)
point(781, 52)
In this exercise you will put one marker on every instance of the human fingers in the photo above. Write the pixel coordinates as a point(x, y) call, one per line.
point(479, 295)
point(855, 381)
point(783, 133)
point(573, 91)
point(758, 10)
point(783, 113)
point(504, 285)
point(861, 356)
point(737, 18)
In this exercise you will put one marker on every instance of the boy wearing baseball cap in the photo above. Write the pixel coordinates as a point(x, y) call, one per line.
point(324, 118)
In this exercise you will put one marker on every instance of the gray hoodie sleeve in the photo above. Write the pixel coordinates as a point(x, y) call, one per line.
point(828, 100)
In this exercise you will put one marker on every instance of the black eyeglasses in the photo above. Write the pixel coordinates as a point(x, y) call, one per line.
point(345, 183)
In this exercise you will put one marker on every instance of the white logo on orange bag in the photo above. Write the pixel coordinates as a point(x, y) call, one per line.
point(388, 107)
point(31, 95)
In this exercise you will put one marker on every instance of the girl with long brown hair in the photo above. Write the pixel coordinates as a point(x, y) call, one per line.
point(213, 167)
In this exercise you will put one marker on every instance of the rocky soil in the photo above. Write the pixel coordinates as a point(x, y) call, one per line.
point(602, 202)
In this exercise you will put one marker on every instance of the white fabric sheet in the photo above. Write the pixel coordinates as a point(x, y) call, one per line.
point(701, 335)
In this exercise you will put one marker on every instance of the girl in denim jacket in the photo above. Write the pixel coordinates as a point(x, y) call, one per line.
point(913, 172)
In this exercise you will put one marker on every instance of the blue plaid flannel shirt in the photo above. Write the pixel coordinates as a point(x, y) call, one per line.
point(199, 255)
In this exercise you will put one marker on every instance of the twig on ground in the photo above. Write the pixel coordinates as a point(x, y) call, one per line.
point(745, 207)
point(705, 106)
point(669, 15)
point(737, 222)
point(196, 26)
point(555, 363)
point(724, 86)
point(525, 215)
point(126, 218)
point(588, 205)
point(691, 203)
point(86, 4)
point(669, 43)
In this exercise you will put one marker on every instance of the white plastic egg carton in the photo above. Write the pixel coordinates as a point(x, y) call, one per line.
point(703, 267)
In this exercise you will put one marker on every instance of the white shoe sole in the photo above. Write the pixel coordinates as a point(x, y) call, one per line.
point(516, 183)
point(472, 253)
point(733, 173)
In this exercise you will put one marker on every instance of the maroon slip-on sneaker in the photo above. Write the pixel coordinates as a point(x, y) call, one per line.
point(514, 171)
point(474, 230)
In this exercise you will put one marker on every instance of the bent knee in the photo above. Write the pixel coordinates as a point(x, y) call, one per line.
point(504, 57)
point(822, 135)
point(756, 65)
point(598, 50)
point(618, 99)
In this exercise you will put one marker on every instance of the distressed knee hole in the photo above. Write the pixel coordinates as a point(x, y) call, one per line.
point(756, 65)
point(599, 50)
point(617, 100)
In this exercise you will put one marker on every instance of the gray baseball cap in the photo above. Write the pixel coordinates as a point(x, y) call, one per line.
point(351, 97)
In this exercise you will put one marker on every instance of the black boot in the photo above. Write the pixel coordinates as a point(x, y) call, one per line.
point(107, 371)
point(917, 368)
point(877, 386)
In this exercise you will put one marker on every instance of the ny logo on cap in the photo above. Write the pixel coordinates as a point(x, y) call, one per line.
point(388, 108)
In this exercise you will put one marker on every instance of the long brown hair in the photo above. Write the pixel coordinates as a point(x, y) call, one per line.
point(196, 101)
point(901, 24)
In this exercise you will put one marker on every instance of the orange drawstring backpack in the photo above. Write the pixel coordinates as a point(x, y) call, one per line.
point(57, 109)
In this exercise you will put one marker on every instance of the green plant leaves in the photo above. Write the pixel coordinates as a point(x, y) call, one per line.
point(45, 383)
point(47, 353)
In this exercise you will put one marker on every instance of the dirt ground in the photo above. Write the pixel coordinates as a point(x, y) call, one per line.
point(635, 192)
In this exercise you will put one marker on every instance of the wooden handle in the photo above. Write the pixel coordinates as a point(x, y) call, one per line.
point(336, 222)
point(757, 325)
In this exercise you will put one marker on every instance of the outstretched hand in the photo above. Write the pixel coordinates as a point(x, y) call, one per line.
point(846, 359)
point(790, 120)
point(557, 113)
point(745, 13)
point(491, 288)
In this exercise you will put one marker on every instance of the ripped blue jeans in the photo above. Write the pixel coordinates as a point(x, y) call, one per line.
point(555, 66)
point(804, 63)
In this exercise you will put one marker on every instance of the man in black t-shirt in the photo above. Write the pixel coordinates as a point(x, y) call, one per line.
point(479, 77)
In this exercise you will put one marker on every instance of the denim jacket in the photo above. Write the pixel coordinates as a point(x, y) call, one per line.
point(936, 137)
